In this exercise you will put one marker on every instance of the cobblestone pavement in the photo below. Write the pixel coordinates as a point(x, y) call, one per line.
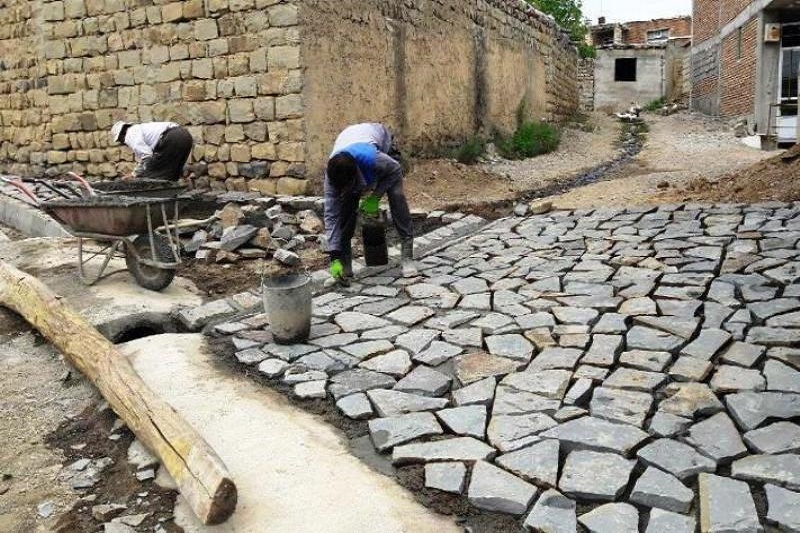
point(625, 370)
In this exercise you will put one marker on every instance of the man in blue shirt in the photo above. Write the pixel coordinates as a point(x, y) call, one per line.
point(359, 166)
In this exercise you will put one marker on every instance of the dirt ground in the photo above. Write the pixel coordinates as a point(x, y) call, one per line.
point(772, 179)
point(679, 149)
point(440, 183)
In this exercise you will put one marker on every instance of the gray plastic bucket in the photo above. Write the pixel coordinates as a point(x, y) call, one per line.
point(287, 302)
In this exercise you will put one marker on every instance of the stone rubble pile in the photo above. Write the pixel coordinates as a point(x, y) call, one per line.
point(641, 366)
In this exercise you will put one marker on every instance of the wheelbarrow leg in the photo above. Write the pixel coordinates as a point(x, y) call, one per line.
point(109, 250)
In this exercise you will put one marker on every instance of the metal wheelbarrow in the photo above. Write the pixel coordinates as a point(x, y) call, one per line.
point(144, 228)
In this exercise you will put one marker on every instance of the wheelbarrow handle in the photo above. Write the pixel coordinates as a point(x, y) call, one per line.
point(82, 182)
point(25, 190)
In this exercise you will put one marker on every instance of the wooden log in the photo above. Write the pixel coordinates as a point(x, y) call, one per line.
point(200, 474)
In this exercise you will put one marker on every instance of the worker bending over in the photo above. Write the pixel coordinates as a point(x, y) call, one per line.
point(359, 173)
point(161, 149)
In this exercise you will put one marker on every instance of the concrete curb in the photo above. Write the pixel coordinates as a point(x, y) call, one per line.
point(29, 219)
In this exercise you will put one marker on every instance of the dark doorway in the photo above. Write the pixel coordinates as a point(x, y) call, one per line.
point(625, 69)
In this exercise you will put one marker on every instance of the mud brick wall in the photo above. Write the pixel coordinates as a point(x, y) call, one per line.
point(436, 71)
point(265, 85)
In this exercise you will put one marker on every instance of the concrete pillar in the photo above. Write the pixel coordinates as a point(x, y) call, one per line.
point(767, 75)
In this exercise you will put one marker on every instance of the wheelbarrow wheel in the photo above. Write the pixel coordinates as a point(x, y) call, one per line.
point(149, 277)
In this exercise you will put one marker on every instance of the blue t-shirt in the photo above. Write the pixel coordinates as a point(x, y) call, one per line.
point(365, 155)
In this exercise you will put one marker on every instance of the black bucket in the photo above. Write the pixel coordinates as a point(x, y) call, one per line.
point(373, 234)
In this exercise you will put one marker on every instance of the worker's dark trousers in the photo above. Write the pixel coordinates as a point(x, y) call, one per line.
point(169, 155)
point(398, 206)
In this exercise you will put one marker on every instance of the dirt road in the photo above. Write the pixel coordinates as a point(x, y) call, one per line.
point(679, 149)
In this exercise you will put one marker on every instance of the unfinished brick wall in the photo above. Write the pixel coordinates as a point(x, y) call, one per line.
point(738, 71)
point(637, 31)
point(242, 75)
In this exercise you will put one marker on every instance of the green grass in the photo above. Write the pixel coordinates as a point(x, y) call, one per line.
point(471, 151)
point(655, 105)
point(530, 140)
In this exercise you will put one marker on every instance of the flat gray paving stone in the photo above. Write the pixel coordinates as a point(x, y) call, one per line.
point(662, 521)
point(381, 307)
point(678, 308)
point(742, 354)
point(638, 380)
point(782, 470)
point(482, 302)
point(354, 322)
point(478, 393)
point(595, 373)
point(618, 405)
point(416, 340)
point(553, 513)
point(335, 341)
point(387, 333)
point(510, 400)
point(437, 353)
point(477, 366)
point(590, 433)
point(537, 463)
point(603, 350)
point(493, 322)
point(580, 392)
point(781, 377)
point(658, 489)
point(555, 358)
point(611, 323)
point(730, 378)
point(320, 361)
point(717, 438)
point(465, 337)
point(359, 380)
point(251, 356)
point(776, 306)
point(790, 356)
point(595, 476)
point(726, 506)
point(536, 320)
point(420, 291)
point(310, 390)
point(666, 425)
point(410, 314)
point(468, 421)
point(494, 489)
point(772, 336)
point(750, 409)
point(396, 363)
point(366, 349)
point(575, 315)
point(690, 400)
point(783, 508)
point(425, 381)
point(688, 368)
point(387, 433)
point(355, 406)
point(294, 375)
point(707, 344)
point(467, 286)
point(780, 437)
point(643, 338)
point(548, 383)
point(273, 368)
point(389, 403)
point(569, 412)
point(512, 432)
point(611, 518)
point(455, 449)
point(447, 477)
point(513, 346)
point(675, 457)
point(638, 306)
point(646, 360)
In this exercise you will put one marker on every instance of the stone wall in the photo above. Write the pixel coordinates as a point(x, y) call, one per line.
point(264, 85)
point(437, 72)
point(586, 83)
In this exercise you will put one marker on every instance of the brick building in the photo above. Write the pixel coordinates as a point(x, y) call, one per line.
point(656, 31)
point(745, 58)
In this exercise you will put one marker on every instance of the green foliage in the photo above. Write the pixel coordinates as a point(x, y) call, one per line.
point(655, 105)
point(471, 151)
point(530, 139)
point(569, 15)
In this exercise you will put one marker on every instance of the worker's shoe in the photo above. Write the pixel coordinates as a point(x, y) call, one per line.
point(347, 266)
point(407, 265)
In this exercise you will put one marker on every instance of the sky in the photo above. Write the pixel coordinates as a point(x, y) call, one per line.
point(628, 10)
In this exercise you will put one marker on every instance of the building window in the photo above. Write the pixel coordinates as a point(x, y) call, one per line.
point(739, 41)
point(658, 36)
point(625, 69)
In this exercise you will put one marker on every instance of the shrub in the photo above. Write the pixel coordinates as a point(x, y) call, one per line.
point(471, 151)
point(655, 105)
point(530, 139)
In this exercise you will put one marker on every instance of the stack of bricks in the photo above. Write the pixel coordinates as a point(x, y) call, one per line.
point(228, 69)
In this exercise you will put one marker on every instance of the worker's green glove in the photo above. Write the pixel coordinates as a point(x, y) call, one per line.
point(337, 269)
point(370, 206)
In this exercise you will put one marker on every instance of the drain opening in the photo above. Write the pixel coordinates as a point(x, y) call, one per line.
point(140, 326)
